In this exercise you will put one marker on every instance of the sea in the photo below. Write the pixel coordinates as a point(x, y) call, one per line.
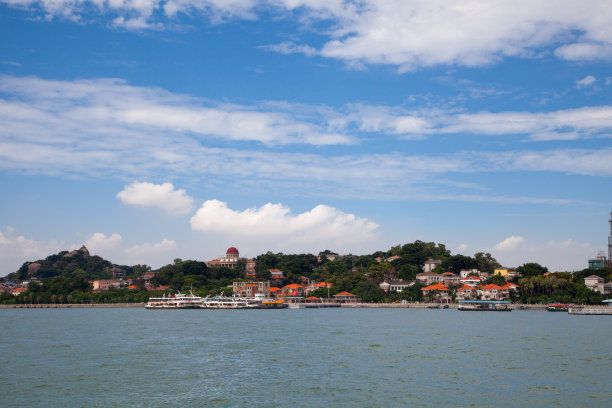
point(132, 357)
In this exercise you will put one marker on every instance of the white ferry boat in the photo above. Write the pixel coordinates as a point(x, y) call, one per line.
point(593, 310)
point(178, 301)
point(225, 302)
point(484, 306)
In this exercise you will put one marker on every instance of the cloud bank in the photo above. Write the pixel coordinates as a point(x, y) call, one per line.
point(568, 255)
point(405, 34)
point(274, 224)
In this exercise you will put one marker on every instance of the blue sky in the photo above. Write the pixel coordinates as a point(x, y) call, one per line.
point(151, 130)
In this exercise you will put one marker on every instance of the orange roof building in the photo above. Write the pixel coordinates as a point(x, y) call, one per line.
point(436, 286)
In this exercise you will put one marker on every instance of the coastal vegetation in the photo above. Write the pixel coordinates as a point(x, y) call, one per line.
point(67, 277)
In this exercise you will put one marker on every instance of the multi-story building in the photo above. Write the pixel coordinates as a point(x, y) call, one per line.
point(250, 289)
point(431, 264)
point(232, 257)
point(597, 284)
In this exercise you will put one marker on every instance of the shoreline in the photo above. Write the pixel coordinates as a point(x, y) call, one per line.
point(343, 305)
point(71, 305)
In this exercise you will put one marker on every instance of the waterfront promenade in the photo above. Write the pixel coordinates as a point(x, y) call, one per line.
point(343, 305)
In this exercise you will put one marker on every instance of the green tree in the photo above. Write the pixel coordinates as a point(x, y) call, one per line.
point(486, 263)
point(457, 263)
point(531, 269)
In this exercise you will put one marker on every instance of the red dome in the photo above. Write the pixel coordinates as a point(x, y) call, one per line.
point(232, 250)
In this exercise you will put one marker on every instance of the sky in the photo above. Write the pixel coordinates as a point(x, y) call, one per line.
point(150, 130)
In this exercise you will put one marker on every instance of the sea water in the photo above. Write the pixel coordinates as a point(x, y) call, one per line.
point(303, 358)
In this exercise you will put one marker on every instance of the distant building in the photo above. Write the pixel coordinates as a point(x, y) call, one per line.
point(437, 292)
point(598, 263)
point(232, 256)
point(429, 277)
point(431, 264)
point(118, 273)
point(346, 297)
point(467, 292)
point(450, 278)
point(491, 292)
point(471, 281)
point(250, 289)
point(396, 285)
point(104, 285)
point(276, 274)
point(597, 284)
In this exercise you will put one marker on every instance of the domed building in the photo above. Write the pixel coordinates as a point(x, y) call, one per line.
point(231, 261)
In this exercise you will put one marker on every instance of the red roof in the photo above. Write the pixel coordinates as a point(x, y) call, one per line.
point(294, 286)
point(472, 278)
point(510, 286)
point(345, 293)
point(437, 286)
point(491, 286)
point(232, 250)
point(274, 289)
point(466, 287)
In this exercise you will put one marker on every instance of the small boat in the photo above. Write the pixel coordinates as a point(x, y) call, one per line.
point(558, 307)
point(433, 307)
point(445, 307)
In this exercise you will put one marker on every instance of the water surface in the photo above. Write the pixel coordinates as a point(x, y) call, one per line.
point(303, 358)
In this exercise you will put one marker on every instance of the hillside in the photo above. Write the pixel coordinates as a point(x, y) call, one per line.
point(77, 263)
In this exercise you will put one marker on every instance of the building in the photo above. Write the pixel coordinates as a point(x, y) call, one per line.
point(274, 291)
point(118, 273)
point(231, 260)
point(597, 284)
point(430, 277)
point(346, 297)
point(250, 289)
point(449, 278)
point(311, 287)
point(276, 274)
point(437, 292)
point(396, 285)
point(471, 281)
point(104, 285)
point(294, 290)
point(502, 271)
point(466, 272)
point(598, 263)
point(491, 292)
point(467, 292)
point(431, 264)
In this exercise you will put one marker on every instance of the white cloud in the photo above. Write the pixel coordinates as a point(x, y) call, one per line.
point(275, 225)
point(70, 129)
point(586, 82)
point(406, 34)
point(158, 253)
point(462, 247)
point(584, 51)
point(17, 249)
point(509, 243)
point(568, 255)
point(99, 242)
point(163, 196)
point(110, 108)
